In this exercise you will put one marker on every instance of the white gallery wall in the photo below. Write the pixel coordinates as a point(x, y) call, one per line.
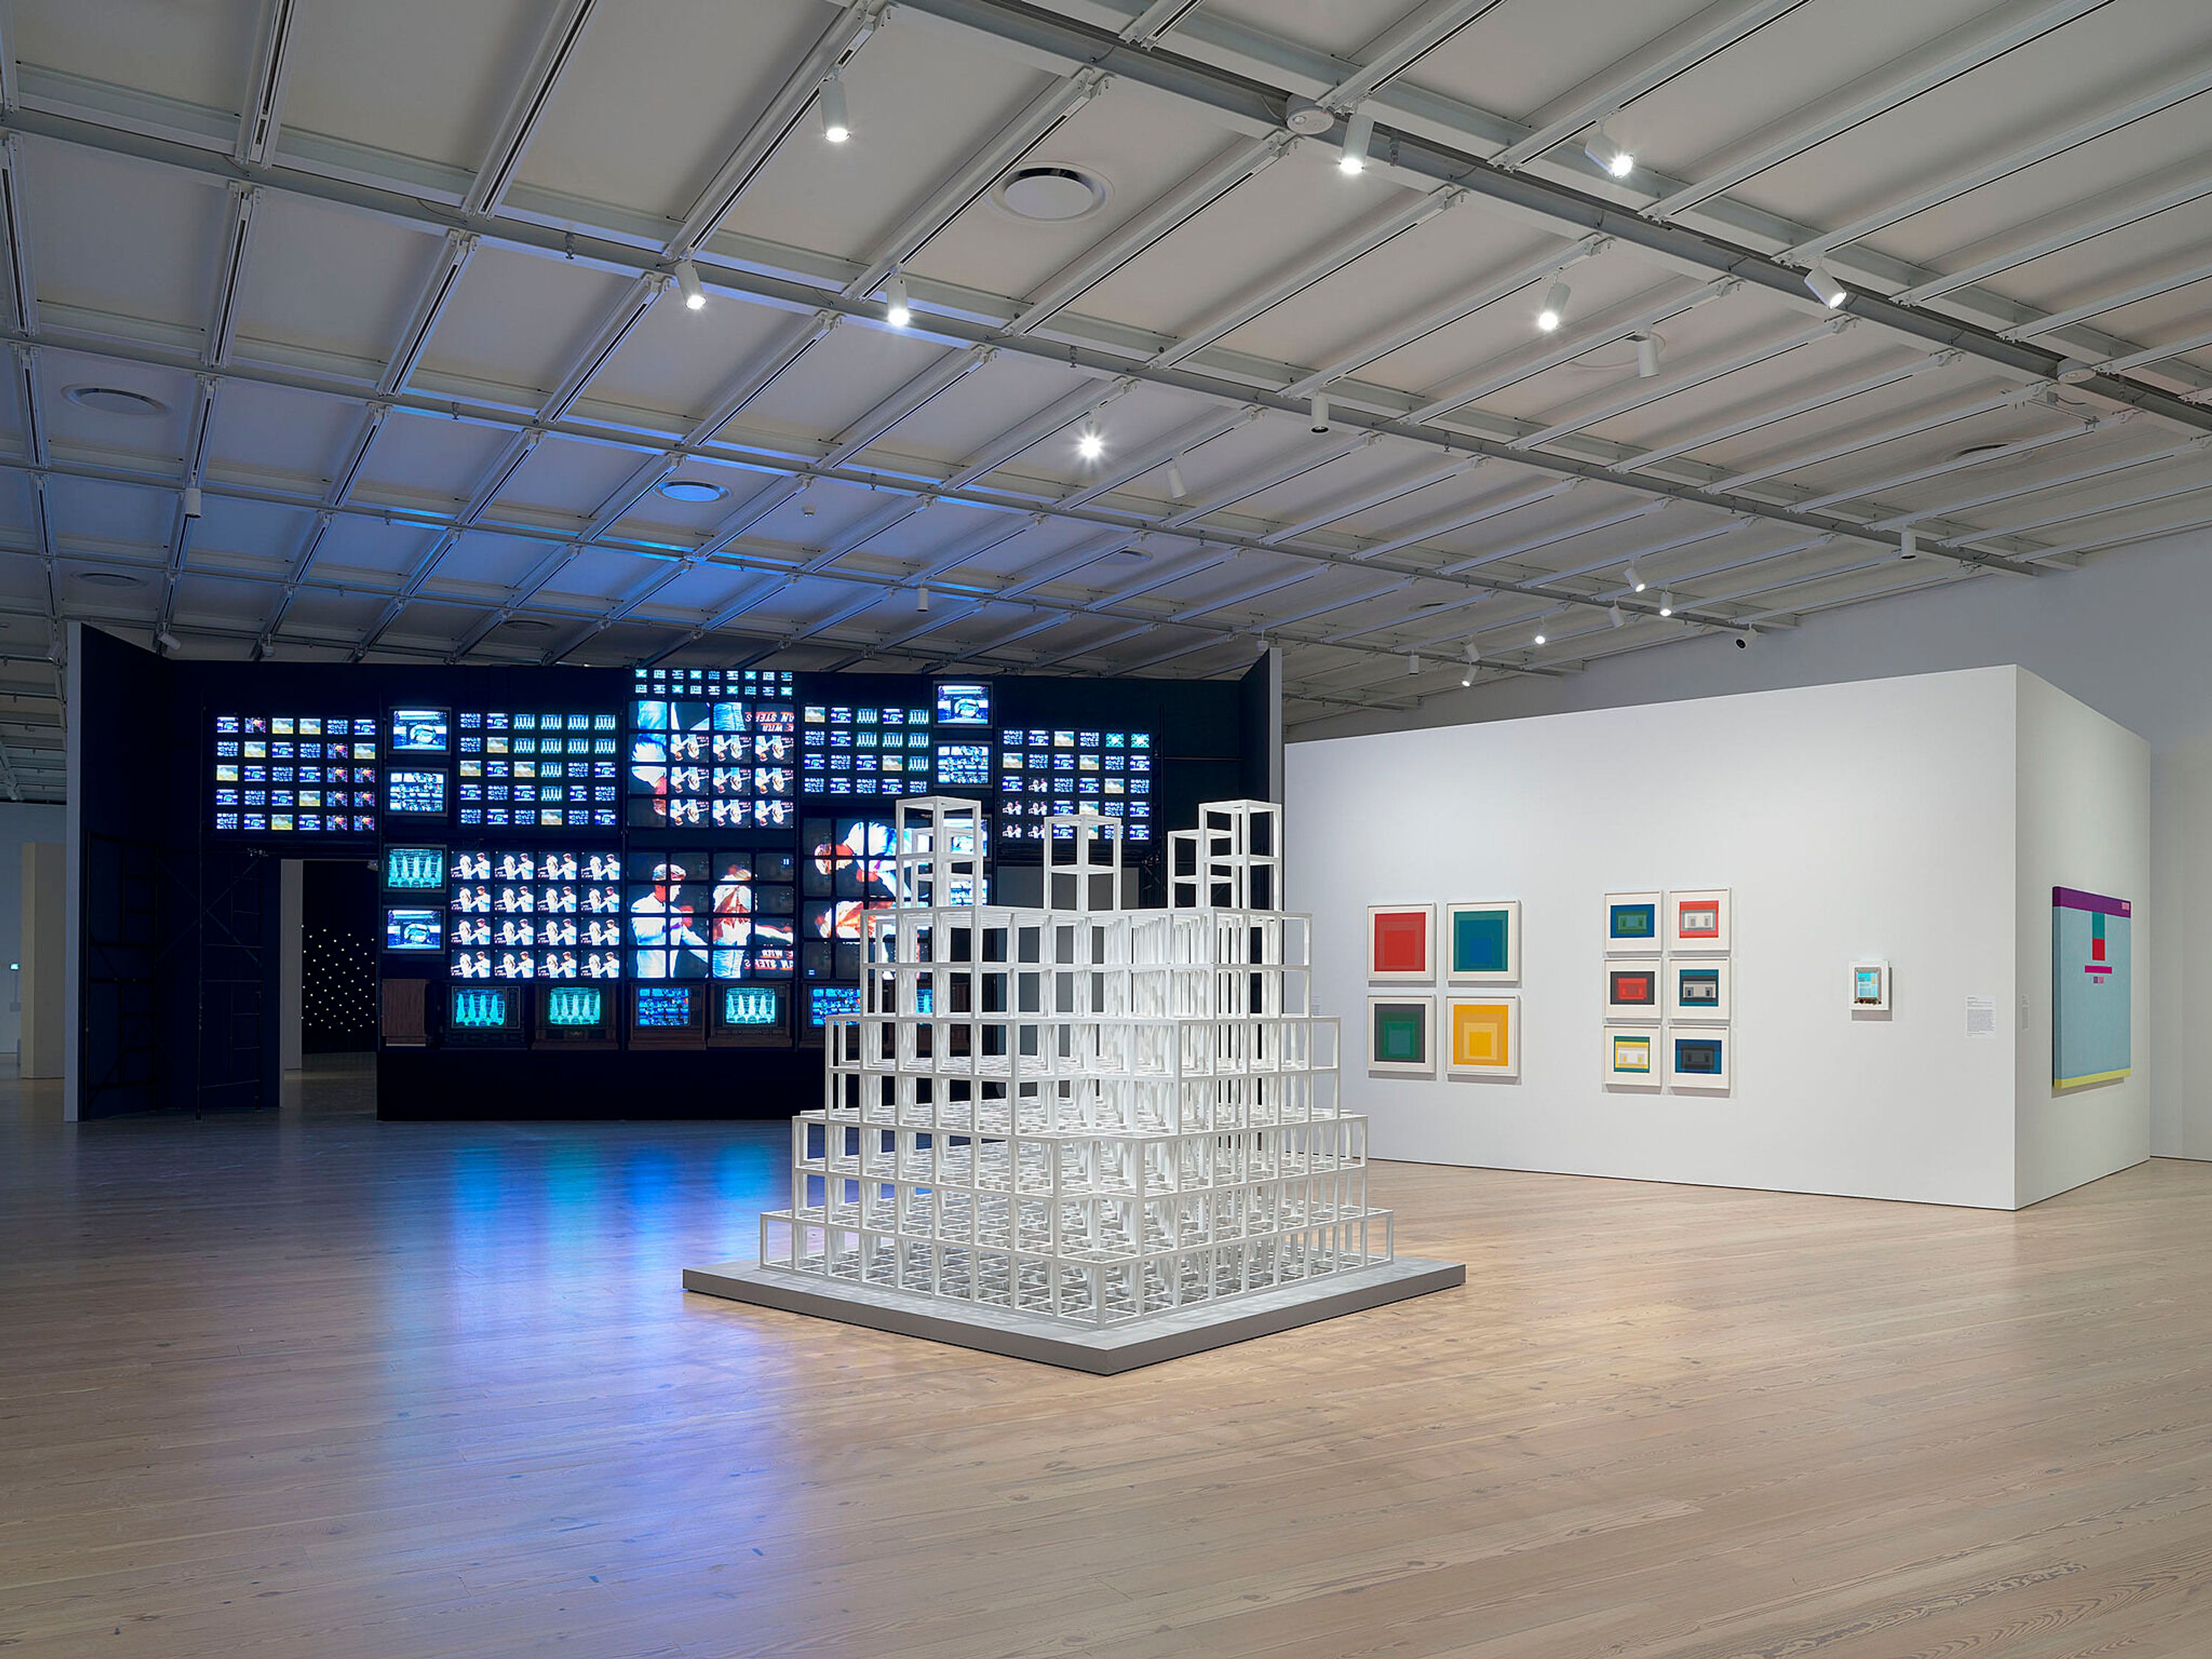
point(1878, 819)
point(2124, 635)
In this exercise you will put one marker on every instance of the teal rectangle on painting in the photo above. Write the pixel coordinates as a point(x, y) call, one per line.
point(1481, 942)
point(2091, 1035)
point(1637, 921)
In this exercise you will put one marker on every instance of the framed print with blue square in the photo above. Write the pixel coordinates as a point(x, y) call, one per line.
point(1698, 919)
point(1633, 1056)
point(1633, 989)
point(1482, 943)
point(1631, 924)
point(1401, 1036)
point(1698, 1057)
point(1697, 989)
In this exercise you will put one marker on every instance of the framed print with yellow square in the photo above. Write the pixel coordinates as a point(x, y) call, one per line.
point(1483, 1036)
point(1401, 1036)
point(1482, 943)
point(1633, 1056)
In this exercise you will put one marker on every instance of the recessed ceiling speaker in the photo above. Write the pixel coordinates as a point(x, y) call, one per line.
point(114, 400)
point(690, 489)
point(1051, 193)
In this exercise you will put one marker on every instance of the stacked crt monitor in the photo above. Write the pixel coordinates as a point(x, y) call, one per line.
point(519, 770)
point(696, 913)
point(287, 775)
point(1073, 770)
point(712, 749)
point(535, 912)
point(865, 750)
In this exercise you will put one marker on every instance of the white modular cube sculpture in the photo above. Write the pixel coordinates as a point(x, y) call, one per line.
point(1084, 1112)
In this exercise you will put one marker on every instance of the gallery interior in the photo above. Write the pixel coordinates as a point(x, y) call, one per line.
point(1117, 827)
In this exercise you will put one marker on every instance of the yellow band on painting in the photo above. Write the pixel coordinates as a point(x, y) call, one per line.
point(2094, 1076)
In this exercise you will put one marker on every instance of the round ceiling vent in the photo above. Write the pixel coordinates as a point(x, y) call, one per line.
point(527, 625)
point(1051, 192)
point(114, 400)
point(109, 579)
point(1972, 450)
point(690, 489)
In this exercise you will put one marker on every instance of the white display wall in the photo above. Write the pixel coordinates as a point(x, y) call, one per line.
point(1883, 820)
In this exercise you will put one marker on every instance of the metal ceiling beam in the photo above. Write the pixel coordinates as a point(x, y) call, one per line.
point(1612, 89)
point(526, 112)
point(23, 312)
point(260, 121)
point(2113, 298)
point(1390, 55)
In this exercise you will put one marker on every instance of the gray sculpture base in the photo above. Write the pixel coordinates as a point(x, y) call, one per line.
point(1103, 1352)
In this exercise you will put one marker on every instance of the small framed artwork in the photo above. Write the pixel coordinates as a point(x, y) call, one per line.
point(1632, 989)
point(1699, 989)
point(1869, 987)
point(1484, 1036)
point(1401, 1036)
point(1697, 920)
point(1631, 923)
point(1698, 1059)
point(1631, 1057)
point(1482, 943)
point(1402, 942)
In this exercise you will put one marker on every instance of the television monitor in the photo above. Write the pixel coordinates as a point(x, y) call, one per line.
point(575, 1016)
point(963, 765)
point(749, 1017)
point(414, 930)
point(421, 732)
point(412, 793)
point(483, 1016)
point(668, 1015)
point(415, 869)
point(823, 1002)
point(963, 702)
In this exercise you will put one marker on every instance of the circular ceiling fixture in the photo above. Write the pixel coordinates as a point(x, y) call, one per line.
point(690, 489)
point(114, 400)
point(1052, 192)
point(109, 579)
point(527, 625)
point(1972, 450)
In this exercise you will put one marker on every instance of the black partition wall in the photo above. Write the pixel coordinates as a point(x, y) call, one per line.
point(600, 892)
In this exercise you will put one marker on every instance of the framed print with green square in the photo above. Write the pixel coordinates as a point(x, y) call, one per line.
point(1631, 924)
point(1482, 943)
point(1401, 1036)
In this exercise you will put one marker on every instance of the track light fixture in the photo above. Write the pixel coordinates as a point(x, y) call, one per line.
point(1090, 443)
point(1647, 356)
point(1413, 664)
point(1318, 412)
point(1555, 305)
point(1825, 289)
point(1358, 133)
point(1634, 578)
point(1666, 604)
point(166, 641)
point(896, 313)
point(193, 501)
point(687, 280)
point(1540, 638)
point(922, 600)
point(1908, 546)
point(836, 122)
point(1177, 489)
point(1601, 149)
point(1616, 616)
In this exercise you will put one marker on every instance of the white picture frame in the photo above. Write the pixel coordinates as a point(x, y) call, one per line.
point(1631, 944)
point(1505, 1069)
point(1377, 1065)
point(1869, 986)
point(1634, 976)
point(1700, 990)
point(1380, 945)
point(1699, 920)
point(1632, 1057)
point(1690, 1044)
point(1448, 942)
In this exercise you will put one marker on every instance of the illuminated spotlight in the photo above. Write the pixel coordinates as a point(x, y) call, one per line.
point(1601, 149)
point(687, 280)
point(1555, 306)
point(1540, 638)
point(1635, 581)
point(1091, 444)
point(836, 120)
point(1825, 289)
point(1666, 604)
point(1177, 489)
point(895, 310)
point(1358, 133)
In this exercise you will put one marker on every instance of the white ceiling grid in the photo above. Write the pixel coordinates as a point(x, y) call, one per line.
point(399, 281)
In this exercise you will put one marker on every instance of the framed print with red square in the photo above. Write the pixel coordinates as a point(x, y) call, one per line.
point(1697, 920)
point(1402, 942)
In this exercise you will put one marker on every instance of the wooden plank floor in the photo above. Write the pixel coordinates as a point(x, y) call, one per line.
point(303, 1384)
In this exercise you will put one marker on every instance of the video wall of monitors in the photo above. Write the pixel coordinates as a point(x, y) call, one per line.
point(294, 774)
point(1073, 770)
point(713, 752)
point(696, 915)
point(864, 749)
point(534, 912)
point(515, 769)
point(847, 868)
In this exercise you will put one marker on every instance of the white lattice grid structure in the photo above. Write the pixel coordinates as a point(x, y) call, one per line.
point(1083, 1111)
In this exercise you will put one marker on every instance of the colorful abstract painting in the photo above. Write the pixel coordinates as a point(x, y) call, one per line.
point(1632, 990)
point(1401, 941)
point(1699, 921)
point(1697, 989)
point(1482, 943)
point(1399, 1034)
point(1631, 1057)
point(2092, 1011)
point(1631, 922)
point(1485, 1033)
point(1698, 1059)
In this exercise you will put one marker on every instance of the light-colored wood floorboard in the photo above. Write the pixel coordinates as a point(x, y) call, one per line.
point(298, 1383)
